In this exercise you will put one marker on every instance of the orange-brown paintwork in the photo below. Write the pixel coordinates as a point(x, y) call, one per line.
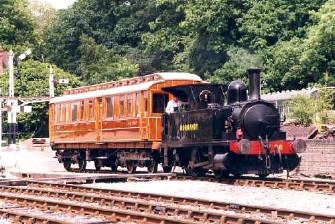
point(123, 130)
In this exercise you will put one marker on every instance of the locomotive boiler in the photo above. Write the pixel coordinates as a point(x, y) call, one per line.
point(237, 135)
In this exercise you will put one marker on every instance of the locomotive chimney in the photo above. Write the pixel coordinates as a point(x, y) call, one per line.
point(254, 83)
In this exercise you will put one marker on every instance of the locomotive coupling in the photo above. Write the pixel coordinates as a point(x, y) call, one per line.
point(299, 145)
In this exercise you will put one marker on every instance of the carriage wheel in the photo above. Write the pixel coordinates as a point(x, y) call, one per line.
point(221, 173)
point(97, 165)
point(67, 164)
point(82, 164)
point(114, 163)
point(131, 167)
point(152, 168)
point(167, 169)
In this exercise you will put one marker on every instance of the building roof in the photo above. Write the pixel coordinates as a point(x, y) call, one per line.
point(289, 94)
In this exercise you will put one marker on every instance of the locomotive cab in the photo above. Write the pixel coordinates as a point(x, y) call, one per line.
point(200, 111)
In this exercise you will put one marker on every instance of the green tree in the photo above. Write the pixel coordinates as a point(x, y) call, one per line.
point(118, 25)
point(318, 56)
point(42, 14)
point(302, 62)
point(16, 24)
point(100, 64)
point(267, 22)
point(236, 66)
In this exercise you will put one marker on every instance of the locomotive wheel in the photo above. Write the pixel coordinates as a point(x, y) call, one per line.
point(167, 169)
point(263, 175)
point(82, 164)
point(237, 175)
point(195, 158)
point(67, 164)
point(131, 167)
point(152, 168)
point(197, 172)
point(112, 162)
point(221, 173)
point(114, 168)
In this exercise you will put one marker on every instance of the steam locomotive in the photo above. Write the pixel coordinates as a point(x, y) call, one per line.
point(219, 128)
point(242, 136)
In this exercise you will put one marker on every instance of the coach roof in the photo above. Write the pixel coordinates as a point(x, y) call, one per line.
point(159, 77)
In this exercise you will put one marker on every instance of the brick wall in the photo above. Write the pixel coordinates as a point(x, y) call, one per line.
point(319, 158)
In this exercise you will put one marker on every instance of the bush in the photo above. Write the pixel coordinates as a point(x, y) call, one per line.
point(307, 111)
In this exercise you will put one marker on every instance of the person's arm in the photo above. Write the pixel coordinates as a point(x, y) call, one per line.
point(169, 108)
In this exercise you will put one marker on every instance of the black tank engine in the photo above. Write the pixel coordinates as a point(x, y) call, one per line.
point(227, 130)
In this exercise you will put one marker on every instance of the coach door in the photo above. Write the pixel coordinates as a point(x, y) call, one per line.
point(144, 115)
point(98, 124)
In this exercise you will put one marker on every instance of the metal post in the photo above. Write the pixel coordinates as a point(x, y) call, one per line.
point(12, 102)
point(51, 83)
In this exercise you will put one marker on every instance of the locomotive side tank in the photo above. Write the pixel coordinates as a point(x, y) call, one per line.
point(239, 136)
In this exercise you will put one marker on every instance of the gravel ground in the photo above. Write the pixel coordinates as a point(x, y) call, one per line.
point(43, 161)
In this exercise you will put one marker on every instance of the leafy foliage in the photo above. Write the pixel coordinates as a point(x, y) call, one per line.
point(317, 108)
point(16, 25)
point(100, 64)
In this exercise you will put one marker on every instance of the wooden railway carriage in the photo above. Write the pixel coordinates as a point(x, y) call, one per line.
point(113, 124)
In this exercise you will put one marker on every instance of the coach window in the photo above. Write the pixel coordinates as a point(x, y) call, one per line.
point(61, 113)
point(129, 105)
point(137, 104)
point(122, 105)
point(67, 113)
point(56, 113)
point(90, 110)
point(159, 101)
point(81, 111)
point(74, 110)
point(110, 107)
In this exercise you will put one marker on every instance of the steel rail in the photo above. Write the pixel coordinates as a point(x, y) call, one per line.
point(112, 214)
point(274, 183)
point(204, 204)
point(199, 214)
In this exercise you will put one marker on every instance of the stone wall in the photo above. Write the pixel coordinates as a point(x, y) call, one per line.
point(319, 158)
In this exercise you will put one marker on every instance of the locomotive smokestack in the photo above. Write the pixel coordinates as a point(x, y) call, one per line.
point(254, 83)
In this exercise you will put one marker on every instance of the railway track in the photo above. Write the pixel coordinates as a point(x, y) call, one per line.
point(123, 206)
point(327, 187)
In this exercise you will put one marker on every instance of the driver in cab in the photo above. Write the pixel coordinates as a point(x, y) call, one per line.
point(173, 105)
